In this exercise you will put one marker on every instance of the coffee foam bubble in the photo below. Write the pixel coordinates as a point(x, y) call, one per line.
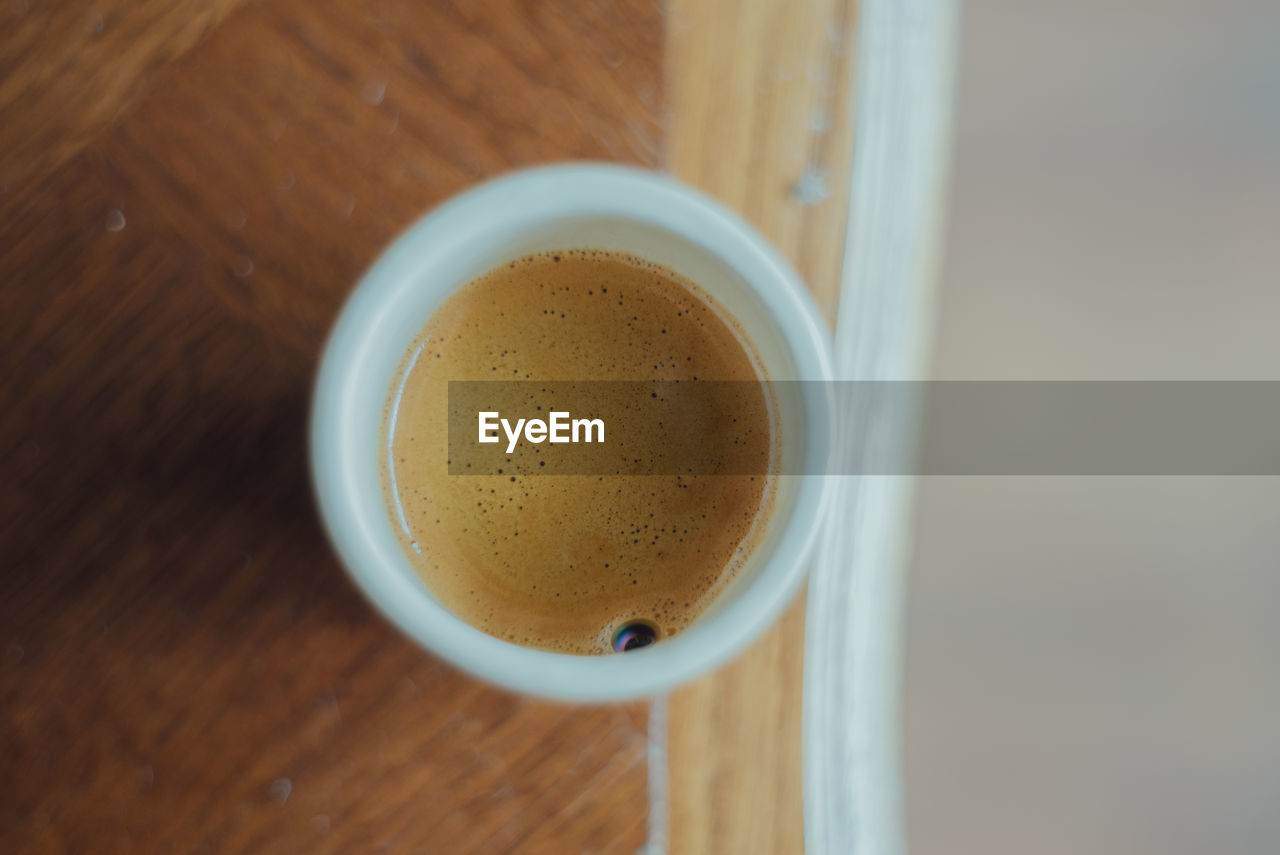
point(560, 562)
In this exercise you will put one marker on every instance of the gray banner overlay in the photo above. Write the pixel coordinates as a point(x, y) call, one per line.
point(879, 428)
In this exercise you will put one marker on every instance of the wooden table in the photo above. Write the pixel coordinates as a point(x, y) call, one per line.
point(187, 192)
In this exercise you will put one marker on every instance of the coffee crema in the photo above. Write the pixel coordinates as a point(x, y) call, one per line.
point(571, 563)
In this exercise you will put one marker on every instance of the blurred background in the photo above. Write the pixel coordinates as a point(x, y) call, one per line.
point(1092, 662)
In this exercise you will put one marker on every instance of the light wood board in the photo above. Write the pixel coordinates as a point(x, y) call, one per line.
point(760, 105)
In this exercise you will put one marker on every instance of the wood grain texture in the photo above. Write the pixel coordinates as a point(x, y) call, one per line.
point(185, 668)
point(54, 95)
point(760, 115)
point(760, 97)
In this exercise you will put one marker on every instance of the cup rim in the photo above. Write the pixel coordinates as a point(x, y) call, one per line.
point(564, 190)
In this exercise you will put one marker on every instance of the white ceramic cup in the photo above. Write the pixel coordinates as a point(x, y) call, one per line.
point(564, 207)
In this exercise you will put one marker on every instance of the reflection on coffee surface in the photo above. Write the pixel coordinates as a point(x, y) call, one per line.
point(567, 562)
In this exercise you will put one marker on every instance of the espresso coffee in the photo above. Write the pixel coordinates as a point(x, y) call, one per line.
point(583, 563)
